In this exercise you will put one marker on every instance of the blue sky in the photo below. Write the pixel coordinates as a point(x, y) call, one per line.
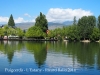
point(55, 10)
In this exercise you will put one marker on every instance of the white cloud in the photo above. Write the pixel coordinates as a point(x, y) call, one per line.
point(32, 20)
point(26, 14)
point(3, 19)
point(54, 15)
point(61, 15)
point(19, 20)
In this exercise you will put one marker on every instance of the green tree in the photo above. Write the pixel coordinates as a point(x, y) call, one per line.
point(11, 31)
point(6, 29)
point(11, 21)
point(74, 22)
point(72, 33)
point(1, 32)
point(19, 32)
point(42, 22)
point(86, 25)
point(82, 26)
point(99, 22)
point(35, 32)
point(95, 34)
point(51, 33)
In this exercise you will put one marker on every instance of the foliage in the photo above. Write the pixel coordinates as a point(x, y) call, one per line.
point(41, 22)
point(99, 22)
point(1, 32)
point(35, 31)
point(20, 33)
point(12, 31)
point(86, 25)
point(72, 33)
point(74, 21)
point(11, 21)
point(95, 35)
point(5, 29)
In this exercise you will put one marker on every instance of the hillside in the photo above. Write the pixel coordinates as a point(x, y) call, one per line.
point(51, 25)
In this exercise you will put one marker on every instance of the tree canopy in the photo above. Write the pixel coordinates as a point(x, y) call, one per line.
point(11, 21)
point(99, 22)
point(86, 25)
point(42, 22)
point(35, 31)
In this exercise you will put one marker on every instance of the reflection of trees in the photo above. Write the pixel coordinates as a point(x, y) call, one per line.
point(84, 52)
point(98, 58)
point(39, 50)
point(87, 54)
point(9, 47)
point(57, 46)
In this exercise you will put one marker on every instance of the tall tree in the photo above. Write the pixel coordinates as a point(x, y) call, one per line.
point(74, 22)
point(86, 25)
point(91, 24)
point(42, 22)
point(82, 26)
point(99, 22)
point(11, 21)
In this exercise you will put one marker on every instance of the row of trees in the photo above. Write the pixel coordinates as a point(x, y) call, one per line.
point(87, 27)
point(36, 31)
point(11, 31)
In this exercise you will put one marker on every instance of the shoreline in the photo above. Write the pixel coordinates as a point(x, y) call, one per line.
point(84, 41)
point(28, 40)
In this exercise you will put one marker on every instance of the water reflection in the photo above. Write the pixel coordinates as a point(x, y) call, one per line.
point(39, 51)
point(86, 54)
point(74, 54)
point(9, 47)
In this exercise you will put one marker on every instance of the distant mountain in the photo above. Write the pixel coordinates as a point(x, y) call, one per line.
point(24, 25)
point(59, 25)
point(68, 22)
point(51, 25)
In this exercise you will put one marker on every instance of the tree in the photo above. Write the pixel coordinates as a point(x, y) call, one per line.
point(35, 32)
point(95, 34)
point(19, 32)
point(6, 29)
point(82, 27)
point(1, 32)
point(11, 31)
point(86, 25)
point(74, 22)
point(41, 22)
point(99, 22)
point(11, 21)
point(72, 33)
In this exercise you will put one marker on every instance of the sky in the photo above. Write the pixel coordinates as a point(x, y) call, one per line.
point(55, 10)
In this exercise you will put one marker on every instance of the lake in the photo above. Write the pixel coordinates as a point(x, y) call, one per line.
point(49, 58)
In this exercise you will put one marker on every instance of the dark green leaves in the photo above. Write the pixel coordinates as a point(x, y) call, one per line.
point(11, 21)
point(41, 22)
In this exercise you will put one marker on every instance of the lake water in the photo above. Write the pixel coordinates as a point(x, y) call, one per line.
point(49, 58)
